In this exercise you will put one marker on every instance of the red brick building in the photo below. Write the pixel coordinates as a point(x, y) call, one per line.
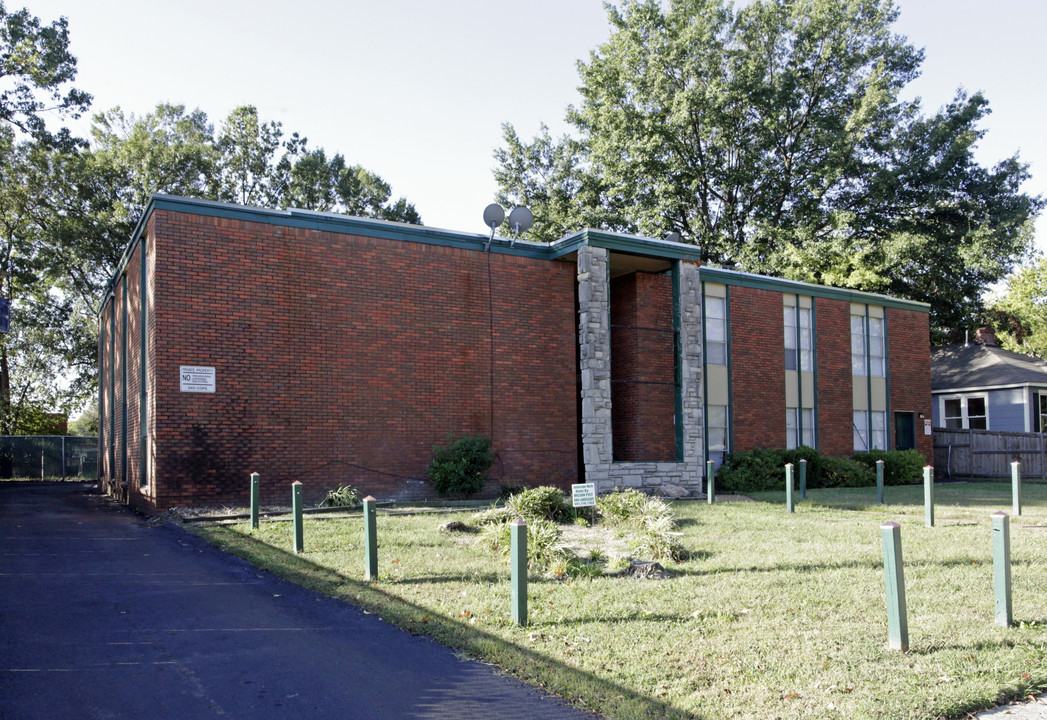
point(329, 349)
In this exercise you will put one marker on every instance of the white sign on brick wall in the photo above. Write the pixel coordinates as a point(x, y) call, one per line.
point(194, 378)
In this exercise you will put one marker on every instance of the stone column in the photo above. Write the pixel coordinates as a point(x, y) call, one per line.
point(594, 341)
point(691, 389)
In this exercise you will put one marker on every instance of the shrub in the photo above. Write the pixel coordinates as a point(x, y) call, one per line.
point(545, 551)
point(844, 472)
point(618, 506)
point(461, 468)
point(546, 503)
point(748, 471)
point(761, 470)
point(345, 496)
point(494, 515)
point(900, 467)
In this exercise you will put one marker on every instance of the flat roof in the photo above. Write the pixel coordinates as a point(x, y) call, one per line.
point(385, 229)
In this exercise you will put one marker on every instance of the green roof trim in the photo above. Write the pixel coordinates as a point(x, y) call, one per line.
point(388, 230)
point(763, 282)
point(632, 244)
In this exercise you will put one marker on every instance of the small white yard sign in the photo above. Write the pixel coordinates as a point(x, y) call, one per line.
point(583, 494)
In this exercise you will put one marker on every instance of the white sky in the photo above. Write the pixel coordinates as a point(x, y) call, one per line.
point(417, 90)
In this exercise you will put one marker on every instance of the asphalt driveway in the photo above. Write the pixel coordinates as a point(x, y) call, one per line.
point(105, 616)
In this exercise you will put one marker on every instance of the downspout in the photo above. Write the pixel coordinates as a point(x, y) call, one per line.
point(143, 395)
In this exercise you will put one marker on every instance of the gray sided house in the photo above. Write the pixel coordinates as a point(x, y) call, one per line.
point(980, 386)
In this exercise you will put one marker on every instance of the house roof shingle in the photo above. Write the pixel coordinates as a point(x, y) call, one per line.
point(968, 366)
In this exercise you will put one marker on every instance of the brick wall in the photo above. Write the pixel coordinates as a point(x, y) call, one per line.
point(643, 394)
point(835, 398)
point(343, 358)
point(757, 369)
point(909, 365)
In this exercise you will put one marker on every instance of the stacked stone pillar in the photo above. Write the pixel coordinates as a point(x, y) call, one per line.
point(673, 479)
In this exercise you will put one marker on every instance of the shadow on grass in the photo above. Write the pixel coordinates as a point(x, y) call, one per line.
point(575, 686)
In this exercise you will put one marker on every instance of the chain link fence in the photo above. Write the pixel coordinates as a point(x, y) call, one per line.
point(48, 457)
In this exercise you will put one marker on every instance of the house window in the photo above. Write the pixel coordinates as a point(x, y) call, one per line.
point(799, 342)
point(858, 356)
point(716, 418)
point(799, 427)
point(965, 412)
point(879, 429)
point(877, 347)
point(1041, 412)
point(861, 431)
point(715, 331)
point(870, 430)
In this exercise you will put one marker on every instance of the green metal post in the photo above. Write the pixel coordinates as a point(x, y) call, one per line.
point(1001, 567)
point(803, 479)
point(296, 505)
point(518, 581)
point(371, 538)
point(710, 482)
point(928, 496)
point(788, 487)
point(1016, 488)
point(879, 482)
point(894, 580)
point(255, 494)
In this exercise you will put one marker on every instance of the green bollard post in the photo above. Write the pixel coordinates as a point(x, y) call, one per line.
point(928, 496)
point(255, 492)
point(1001, 568)
point(370, 538)
point(788, 487)
point(894, 580)
point(710, 482)
point(518, 580)
point(1016, 488)
point(803, 479)
point(879, 482)
point(296, 505)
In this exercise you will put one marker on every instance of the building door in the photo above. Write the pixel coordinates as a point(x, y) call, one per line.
point(904, 431)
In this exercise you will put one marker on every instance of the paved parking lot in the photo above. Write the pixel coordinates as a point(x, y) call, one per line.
point(105, 616)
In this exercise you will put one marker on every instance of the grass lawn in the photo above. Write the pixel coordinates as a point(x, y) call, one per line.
point(773, 616)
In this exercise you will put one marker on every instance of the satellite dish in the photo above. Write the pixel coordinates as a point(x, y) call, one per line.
point(494, 215)
point(673, 237)
point(520, 220)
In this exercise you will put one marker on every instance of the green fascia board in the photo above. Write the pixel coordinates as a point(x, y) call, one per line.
point(763, 282)
point(388, 230)
point(621, 242)
point(326, 222)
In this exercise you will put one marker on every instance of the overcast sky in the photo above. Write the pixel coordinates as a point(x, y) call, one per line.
point(417, 90)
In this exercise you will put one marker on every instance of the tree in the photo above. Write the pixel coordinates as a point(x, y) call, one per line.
point(169, 151)
point(35, 68)
point(1019, 310)
point(246, 157)
point(774, 137)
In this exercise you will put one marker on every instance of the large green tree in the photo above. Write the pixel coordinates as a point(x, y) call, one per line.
point(773, 135)
point(1018, 309)
point(36, 68)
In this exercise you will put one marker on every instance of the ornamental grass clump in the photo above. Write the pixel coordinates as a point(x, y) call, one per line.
point(344, 496)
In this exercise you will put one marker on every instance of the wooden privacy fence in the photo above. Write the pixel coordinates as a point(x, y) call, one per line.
point(986, 453)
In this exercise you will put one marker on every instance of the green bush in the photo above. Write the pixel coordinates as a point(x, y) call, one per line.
point(760, 470)
point(619, 506)
point(546, 503)
point(461, 468)
point(900, 467)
